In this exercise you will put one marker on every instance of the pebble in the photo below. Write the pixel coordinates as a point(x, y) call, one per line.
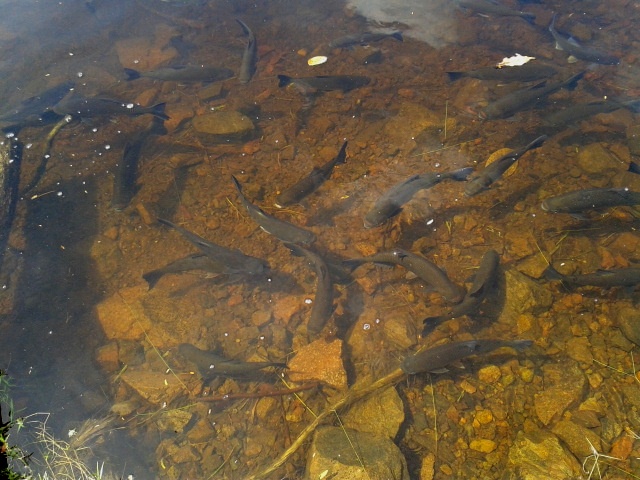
point(489, 374)
point(483, 445)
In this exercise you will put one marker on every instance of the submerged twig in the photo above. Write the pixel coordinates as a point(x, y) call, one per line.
point(355, 393)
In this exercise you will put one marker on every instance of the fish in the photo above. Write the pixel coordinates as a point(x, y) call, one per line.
point(391, 202)
point(124, 181)
point(494, 170)
point(585, 110)
point(484, 281)
point(591, 199)
point(212, 365)
point(234, 261)
point(10, 166)
point(285, 231)
point(621, 277)
point(311, 182)
point(183, 73)
point(574, 49)
point(196, 261)
point(524, 73)
point(427, 271)
point(311, 85)
point(36, 110)
point(89, 107)
point(364, 38)
point(250, 55)
point(513, 102)
point(437, 358)
point(323, 302)
point(492, 8)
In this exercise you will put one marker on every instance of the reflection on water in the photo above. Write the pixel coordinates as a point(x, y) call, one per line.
point(100, 302)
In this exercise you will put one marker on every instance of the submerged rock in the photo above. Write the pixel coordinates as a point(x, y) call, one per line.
point(333, 455)
point(381, 413)
point(564, 386)
point(222, 126)
point(320, 361)
point(628, 319)
point(539, 456)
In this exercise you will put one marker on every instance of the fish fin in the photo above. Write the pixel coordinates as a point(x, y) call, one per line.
point(158, 111)
point(166, 222)
point(572, 82)
point(398, 36)
point(453, 76)
point(571, 59)
point(551, 273)
point(573, 42)
point(152, 277)
point(633, 167)
point(132, 74)
point(284, 80)
point(520, 345)
point(579, 216)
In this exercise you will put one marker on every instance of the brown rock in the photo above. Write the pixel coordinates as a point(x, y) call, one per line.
point(578, 438)
point(320, 361)
point(564, 386)
point(107, 357)
point(157, 388)
point(381, 414)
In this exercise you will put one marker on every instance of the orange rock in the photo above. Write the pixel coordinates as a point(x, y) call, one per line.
point(319, 361)
point(107, 357)
point(622, 447)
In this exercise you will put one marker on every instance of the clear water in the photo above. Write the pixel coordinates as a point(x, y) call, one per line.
point(80, 327)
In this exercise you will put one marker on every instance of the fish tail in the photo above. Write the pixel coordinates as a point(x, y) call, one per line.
point(529, 17)
point(430, 323)
point(551, 273)
point(453, 76)
point(152, 277)
point(633, 167)
point(284, 80)
point(461, 174)
point(552, 25)
point(244, 26)
point(158, 111)
point(237, 184)
point(132, 74)
point(351, 265)
point(342, 154)
point(398, 36)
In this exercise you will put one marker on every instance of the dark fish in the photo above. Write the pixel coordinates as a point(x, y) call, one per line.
point(212, 365)
point(36, 110)
point(183, 73)
point(250, 55)
point(521, 99)
point(591, 199)
point(572, 47)
point(312, 182)
point(87, 107)
point(622, 277)
point(491, 8)
point(197, 261)
point(391, 202)
point(124, 182)
point(10, 163)
point(364, 38)
point(436, 358)
point(233, 260)
point(585, 110)
point(483, 282)
point(323, 302)
point(524, 73)
point(285, 231)
point(494, 171)
point(427, 271)
point(310, 85)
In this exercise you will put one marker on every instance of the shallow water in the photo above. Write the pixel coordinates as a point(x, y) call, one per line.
point(82, 332)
